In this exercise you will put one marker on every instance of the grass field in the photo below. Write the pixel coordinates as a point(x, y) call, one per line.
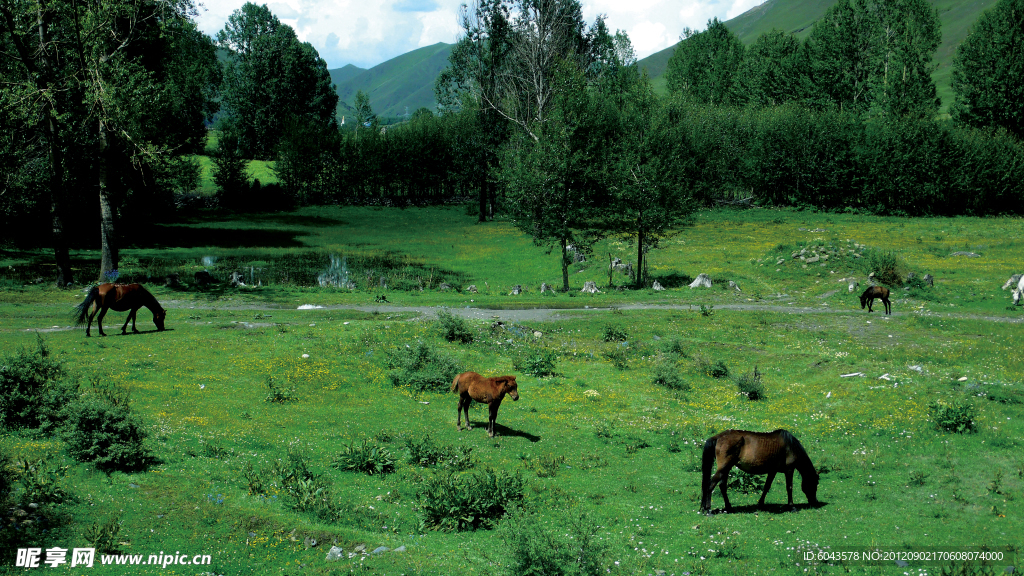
point(607, 447)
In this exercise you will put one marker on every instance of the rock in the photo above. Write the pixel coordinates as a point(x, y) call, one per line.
point(359, 548)
point(202, 278)
point(172, 281)
point(577, 254)
point(657, 286)
point(910, 276)
point(471, 289)
point(444, 287)
point(335, 553)
point(380, 550)
point(616, 263)
point(309, 542)
point(590, 287)
point(853, 286)
point(871, 277)
point(734, 286)
point(967, 254)
point(236, 279)
point(779, 262)
point(399, 549)
point(928, 279)
point(813, 259)
point(628, 270)
point(516, 290)
point(544, 287)
point(537, 334)
point(1012, 282)
point(702, 281)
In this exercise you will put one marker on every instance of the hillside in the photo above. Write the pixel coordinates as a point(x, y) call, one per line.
point(402, 84)
point(798, 16)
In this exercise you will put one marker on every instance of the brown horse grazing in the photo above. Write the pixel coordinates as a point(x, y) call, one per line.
point(491, 391)
point(756, 453)
point(869, 295)
point(118, 297)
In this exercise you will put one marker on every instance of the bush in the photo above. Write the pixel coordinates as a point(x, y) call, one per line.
point(705, 366)
point(615, 334)
point(751, 385)
point(666, 374)
point(537, 362)
point(745, 483)
point(888, 266)
point(956, 416)
point(451, 502)
point(306, 491)
point(572, 547)
point(429, 454)
point(424, 370)
point(367, 458)
point(280, 394)
point(33, 390)
point(453, 328)
point(109, 436)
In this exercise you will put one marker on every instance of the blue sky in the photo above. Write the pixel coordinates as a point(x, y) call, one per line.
point(366, 33)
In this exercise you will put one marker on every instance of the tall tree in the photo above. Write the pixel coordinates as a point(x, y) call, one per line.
point(271, 76)
point(773, 70)
point(988, 70)
point(703, 65)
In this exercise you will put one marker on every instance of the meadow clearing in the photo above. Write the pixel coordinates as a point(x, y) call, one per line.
point(263, 419)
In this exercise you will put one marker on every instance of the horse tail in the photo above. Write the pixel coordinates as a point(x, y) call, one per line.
point(707, 468)
point(455, 383)
point(82, 310)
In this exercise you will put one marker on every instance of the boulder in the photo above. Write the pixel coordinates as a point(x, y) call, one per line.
point(616, 263)
point(335, 553)
point(657, 286)
point(702, 281)
point(516, 290)
point(967, 254)
point(236, 279)
point(928, 279)
point(734, 286)
point(471, 289)
point(444, 287)
point(853, 286)
point(590, 287)
point(577, 254)
point(545, 287)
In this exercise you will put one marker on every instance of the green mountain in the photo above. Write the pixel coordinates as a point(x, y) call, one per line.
point(798, 16)
point(403, 84)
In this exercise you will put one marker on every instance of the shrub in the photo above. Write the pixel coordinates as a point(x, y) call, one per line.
point(744, 482)
point(280, 394)
point(705, 366)
point(888, 266)
point(453, 328)
point(956, 416)
point(306, 491)
point(618, 356)
point(572, 548)
point(109, 436)
point(33, 389)
point(424, 370)
point(429, 454)
point(615, 334)
point(538, 362)
point(367, 458)
point(751, 385)
point(451, 502)
point(666, 374)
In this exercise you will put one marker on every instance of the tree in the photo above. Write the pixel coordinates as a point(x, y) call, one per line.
point(703, 65)
point(988, 70)
point(271, 76)
point(875, 56)
point(773, 70)
point(555, 172)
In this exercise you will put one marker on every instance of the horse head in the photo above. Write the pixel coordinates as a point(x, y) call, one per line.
point(510, 387)
point(158, 319)
point(809, 484)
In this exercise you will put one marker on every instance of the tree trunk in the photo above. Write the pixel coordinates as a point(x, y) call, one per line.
point(639, 256)
point(483, 198)
point(108, 241)
point(565, 266)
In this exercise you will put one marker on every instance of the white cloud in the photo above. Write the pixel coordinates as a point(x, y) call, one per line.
point(366, 33)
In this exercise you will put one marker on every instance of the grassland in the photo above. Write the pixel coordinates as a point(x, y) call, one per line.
point(598, 438)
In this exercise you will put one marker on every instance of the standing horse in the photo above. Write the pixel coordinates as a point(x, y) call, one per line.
point(118, 297)
point(756, 453)
point(869, 295)
point(491, 391)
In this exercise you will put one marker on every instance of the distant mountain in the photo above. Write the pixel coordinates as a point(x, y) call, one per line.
point(798, 16)
point(403, 84)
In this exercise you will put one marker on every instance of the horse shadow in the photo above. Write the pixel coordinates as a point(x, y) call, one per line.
point(771, 508)
point(145, 332)
point(502, 431)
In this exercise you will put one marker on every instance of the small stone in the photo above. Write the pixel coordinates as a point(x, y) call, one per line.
point(305, 356)
point(399, 549)
point(471, 289)
point(657, 286)
point(359, 548)
point(537, 334)
point(380, 550)
point(335, 553)
point(516, 290)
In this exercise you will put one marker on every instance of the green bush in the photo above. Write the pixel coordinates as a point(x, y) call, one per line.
point(955, 416)
point(750, 385)
point(453, 328)
point(745, 483)
point(429, 454)
point(570, 546)
point(280, 394)
point(538, 362)
point(888, 266)
point(424, 370)
point(666, 374)
point(615, 334)
point(109, 436)
point(451, 502)
point(34, 388)
point(32, 498)
point(366, 458)
point(306, 491)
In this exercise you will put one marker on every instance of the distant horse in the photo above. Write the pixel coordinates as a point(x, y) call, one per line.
point(756, 453)
point(869, 295)
point(491, 391)
point(118, 297)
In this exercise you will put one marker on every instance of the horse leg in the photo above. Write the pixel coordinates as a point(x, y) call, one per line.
point(124, 328)
point(723, 484)
point(888, 306)
point(134, 316)
point(870, 302)
point(767, 487)
point(99, 320)
point(463, 405)
point(493, 410)
point(789, 486)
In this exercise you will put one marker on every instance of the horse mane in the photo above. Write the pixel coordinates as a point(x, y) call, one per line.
point(799, 450)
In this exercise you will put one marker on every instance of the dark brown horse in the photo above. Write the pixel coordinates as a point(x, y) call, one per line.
point(756, 453)
point(491, 391)
point(869, 295)
point(118, 297)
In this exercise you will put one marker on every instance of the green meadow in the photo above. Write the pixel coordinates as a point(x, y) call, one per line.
point(264, 419)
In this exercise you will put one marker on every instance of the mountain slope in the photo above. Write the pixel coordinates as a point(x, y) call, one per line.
point(402, 84)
